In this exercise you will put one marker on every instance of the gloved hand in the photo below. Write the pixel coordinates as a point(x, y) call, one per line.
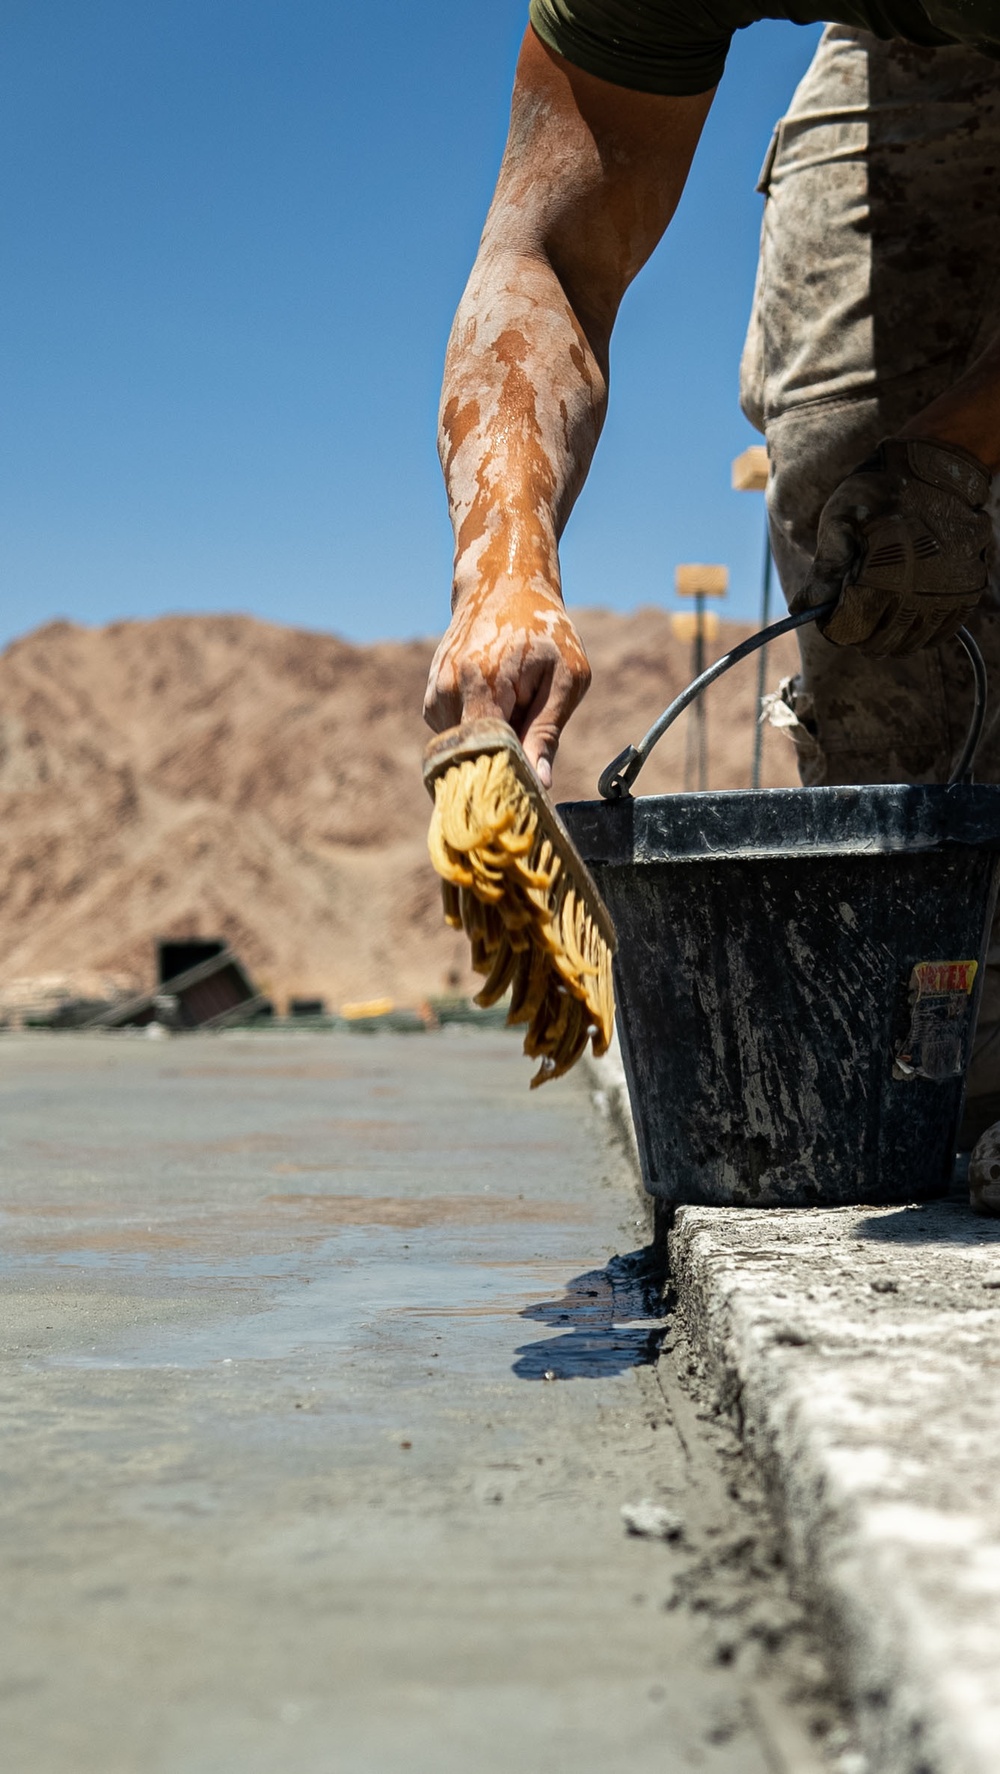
point(903, 546)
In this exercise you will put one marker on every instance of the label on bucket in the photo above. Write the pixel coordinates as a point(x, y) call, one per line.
point(940, 1014)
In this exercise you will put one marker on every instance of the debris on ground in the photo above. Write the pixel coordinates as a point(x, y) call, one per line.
point(984, 1173)
point(651, 1521)
point(213, 994)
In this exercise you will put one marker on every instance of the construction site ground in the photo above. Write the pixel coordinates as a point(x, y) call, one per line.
point(856, 1351)
point(329, 1365)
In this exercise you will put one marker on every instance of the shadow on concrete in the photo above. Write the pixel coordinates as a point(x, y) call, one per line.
point(609, 1320)
point(935, 1222)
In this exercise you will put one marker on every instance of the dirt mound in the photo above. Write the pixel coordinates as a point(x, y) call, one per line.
point(216, 775)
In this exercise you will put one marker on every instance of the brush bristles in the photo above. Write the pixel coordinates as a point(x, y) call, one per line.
point(528, 922)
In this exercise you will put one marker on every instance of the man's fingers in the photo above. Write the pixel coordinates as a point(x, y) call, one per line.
point(858, 613)
point(554, 701)
point(456, 695)
point(836, 554)
point(859, 608)
point(441, 708)
point(482, 700)
point(541, 743)
point(537, 726)
point(950, 628)
point(529, 669)
point(824, 583)
point(896, 632)
point(901, 547)
point(821, 587)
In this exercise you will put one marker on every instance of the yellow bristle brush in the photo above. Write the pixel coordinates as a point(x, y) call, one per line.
point(514, 881)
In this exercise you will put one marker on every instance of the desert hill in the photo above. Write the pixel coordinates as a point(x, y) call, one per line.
point(217, 775)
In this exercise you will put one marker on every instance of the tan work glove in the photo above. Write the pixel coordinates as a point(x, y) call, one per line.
point(903, 546)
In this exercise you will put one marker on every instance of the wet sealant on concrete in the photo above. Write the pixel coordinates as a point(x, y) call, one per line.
point(328, 1368)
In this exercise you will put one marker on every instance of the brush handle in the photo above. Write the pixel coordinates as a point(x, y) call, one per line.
point(470, 740)
point(617, 779)
point(488, 735)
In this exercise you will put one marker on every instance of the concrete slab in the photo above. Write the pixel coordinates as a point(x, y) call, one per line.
point(860, 1350)
point(319, 1402)
point(857, 1353)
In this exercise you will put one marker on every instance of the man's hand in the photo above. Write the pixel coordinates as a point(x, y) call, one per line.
point(512, 653)
point(903, 546)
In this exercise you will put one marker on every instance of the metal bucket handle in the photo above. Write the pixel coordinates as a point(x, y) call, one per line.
point(617, 779)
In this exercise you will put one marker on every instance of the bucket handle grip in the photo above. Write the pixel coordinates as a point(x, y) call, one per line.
point(616, 780)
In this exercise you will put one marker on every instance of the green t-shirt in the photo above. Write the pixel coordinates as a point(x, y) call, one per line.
point(680, 46)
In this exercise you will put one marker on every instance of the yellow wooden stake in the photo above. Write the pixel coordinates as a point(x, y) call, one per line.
point(750, 470)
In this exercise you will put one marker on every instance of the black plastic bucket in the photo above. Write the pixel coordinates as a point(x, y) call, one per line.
point(797, 978)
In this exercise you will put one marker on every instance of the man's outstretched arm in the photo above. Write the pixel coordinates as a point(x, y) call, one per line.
point(590, 178)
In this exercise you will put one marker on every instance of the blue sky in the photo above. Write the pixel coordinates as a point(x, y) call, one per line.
point(235, 234)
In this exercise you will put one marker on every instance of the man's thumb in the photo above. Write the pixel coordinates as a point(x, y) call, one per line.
point(835, 557)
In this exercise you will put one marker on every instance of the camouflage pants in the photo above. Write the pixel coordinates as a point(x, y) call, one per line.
point(878, 284)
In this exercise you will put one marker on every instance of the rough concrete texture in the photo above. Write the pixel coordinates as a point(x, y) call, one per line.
point(858, 1352)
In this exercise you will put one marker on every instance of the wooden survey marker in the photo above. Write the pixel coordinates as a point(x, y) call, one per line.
point(700, 581)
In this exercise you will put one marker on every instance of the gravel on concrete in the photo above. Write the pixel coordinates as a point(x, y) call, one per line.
point(857, 1352)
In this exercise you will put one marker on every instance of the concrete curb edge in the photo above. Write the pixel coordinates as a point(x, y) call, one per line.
point(891, 1655)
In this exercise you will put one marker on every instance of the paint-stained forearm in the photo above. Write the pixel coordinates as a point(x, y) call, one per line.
point(524, 401)
point(590, 178)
